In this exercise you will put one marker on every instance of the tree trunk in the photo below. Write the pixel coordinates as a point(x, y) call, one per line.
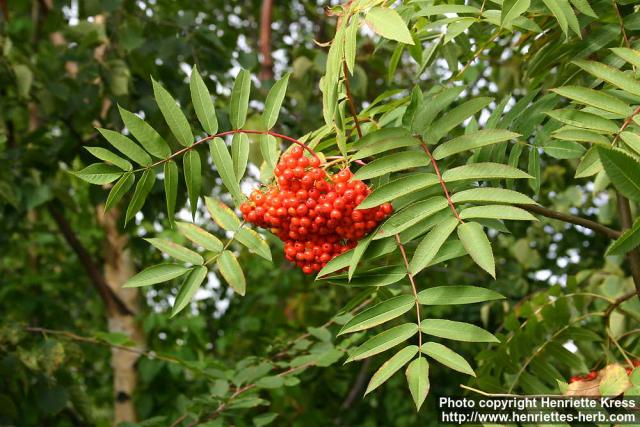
point(118, 267)
point(266, 64)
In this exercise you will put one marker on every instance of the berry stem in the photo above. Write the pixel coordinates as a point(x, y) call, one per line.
point(439, 175)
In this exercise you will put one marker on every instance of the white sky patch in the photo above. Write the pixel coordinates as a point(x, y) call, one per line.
point(570, 345)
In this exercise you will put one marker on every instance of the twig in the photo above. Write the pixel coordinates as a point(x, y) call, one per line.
point(621, 21)
point(477, 54)
point(112, 302)
point(352, 105)
point(413, 288)
point(572, 219)
point(232, 132)
point(240, 391)
point(358, 385)
point(442, 183)
point(625, 124)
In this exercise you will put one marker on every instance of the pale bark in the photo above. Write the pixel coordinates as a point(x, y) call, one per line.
point(118, 267)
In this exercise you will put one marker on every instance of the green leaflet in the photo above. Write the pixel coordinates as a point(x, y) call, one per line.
point(399, 187)
point(147, 136)
point(418, 379)
point(631, 140)
point(477, 245)
point(176, 251)
point(222, 159)
point(432, 106)
point(156, 274)
point(584, 120)
point(584, 7)
point(202, 103)
point(630, 55)
point(392, 163)
point(454, 295)
point(441, 9)
point(569, 133)
point(410, 215)
point(563, 12)
point(240, 154)
point(483, 171)
point(623, 170)
point(99, 173)
point(387, 23)
point(430, 245)
point(232, 272)
point(172, 114)
point(382, 140)
point(453, 118)
point(126, 146)
point(351, 42)
point(447, 357)
point(274, 102)
point(239, 102)
point(188, 288)
point(533, 167)
point(629, 240)
point(595, 98)
point(171, 189)
point(589, 165)
point(471, 141)
point(358, 251)
point(378, 314)
point(143, 188)
point(200, 236)
point(511, 9)
point(383, 341)
point(107, 156)
point(193, 178)
point(497, 212)
point(564, 149)
point(222, 215)
point(391, 366)
point(491, 194)
point(120, 188)
point(379, 276)
point(610, 75)
point(254, 242)
point(458, 331)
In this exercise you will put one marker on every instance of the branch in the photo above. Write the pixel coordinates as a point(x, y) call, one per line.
point(91, 340)
point(615, 304)
point(110, 299)
point(266, 65)
point(633, 256)
point(572, 219)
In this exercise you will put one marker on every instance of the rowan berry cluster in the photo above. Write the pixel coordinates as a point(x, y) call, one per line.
point(313, 212)
point(593, 374)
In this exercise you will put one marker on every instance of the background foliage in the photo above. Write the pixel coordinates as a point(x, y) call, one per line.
point(548, 87)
